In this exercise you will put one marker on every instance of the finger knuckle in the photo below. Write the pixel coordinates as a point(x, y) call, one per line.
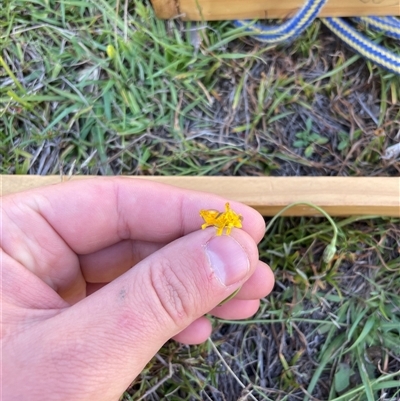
point(174, 294)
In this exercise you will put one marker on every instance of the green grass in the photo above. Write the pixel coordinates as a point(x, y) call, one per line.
point(175, 95)
point(331, 331)
point(87, 88)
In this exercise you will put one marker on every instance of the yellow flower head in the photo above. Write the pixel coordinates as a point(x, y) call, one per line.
point(221, 220)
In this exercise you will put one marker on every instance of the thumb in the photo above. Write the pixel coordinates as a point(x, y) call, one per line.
point(112, 334)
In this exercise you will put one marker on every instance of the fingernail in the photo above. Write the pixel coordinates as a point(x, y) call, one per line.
point(228, 259)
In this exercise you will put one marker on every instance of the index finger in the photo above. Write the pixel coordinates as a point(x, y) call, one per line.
point(92, 214)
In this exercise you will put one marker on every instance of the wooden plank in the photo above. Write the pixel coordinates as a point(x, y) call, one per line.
point(339, 196)
point(207, 10)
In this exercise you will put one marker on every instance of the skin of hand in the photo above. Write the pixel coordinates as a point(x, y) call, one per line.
point(98, 274)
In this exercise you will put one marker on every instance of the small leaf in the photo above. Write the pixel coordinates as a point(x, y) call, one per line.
point(322, 141)
point(309, 124)
point(315, 137)
point(299, 144)
point(301, 135)
point(342, 377)
point(309, 151)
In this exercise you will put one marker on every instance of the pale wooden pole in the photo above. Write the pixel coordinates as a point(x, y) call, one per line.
point(254, 9)
point(339, 196)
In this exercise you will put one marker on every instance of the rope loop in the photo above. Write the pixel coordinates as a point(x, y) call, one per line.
point(361, 44)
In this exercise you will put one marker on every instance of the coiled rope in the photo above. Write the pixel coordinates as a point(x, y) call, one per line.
point(289, 30)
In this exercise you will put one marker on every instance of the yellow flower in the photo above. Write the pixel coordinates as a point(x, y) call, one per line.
point(221, 220)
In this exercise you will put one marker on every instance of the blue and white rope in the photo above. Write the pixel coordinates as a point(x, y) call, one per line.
point(289, 30)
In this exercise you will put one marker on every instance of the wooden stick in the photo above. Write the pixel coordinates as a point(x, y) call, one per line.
point(339, 196)
point(197, 10)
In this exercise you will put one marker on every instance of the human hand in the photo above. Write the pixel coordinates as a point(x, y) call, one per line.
point(78, 322)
